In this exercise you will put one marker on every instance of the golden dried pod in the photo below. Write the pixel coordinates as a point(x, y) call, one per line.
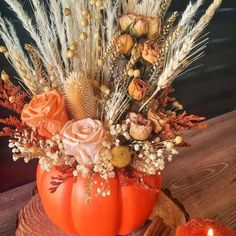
point(74, 46)
point(3, 49)
point(92, 2)
point(84, 23)
point(46, 89)
point(99, 3)
point(101, 62)
point(98, 16)
point(136, 73)
point(169, 145)
point(51, 68)
point(69, 54)
point(4, 76)
point(85, 12)
point(55, 84)
point(104, 89)
point(53, 77)
point(83, 35)
point(12, 99)
point(67, 11)
point(42, 81)
point(121, 156)
point(130, 72)
point(179, 139)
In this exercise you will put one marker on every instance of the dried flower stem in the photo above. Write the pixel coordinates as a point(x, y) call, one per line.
point(39, 72)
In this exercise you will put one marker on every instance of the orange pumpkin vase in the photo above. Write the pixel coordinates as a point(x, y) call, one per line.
point(123, 211)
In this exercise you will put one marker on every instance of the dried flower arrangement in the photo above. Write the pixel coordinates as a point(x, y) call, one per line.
point(98, 75)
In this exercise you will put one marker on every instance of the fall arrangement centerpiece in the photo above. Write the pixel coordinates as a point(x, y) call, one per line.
point(94, 104)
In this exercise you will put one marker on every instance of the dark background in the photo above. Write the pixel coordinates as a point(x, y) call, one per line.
point(207, 91)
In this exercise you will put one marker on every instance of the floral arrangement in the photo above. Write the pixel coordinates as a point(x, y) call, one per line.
point(94, 94)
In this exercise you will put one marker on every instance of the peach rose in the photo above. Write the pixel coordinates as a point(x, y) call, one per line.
point(46, 112)
point(83, 139)
point(140, 128)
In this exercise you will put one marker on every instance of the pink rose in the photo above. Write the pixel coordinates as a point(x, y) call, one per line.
point(83, 139)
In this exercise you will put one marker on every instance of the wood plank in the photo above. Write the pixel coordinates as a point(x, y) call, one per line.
point(10, 203)
point(203, 176)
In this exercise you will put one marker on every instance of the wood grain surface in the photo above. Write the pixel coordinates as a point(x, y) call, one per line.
point(202, 177)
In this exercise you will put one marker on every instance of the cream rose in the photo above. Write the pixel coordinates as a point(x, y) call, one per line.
point(83, 139)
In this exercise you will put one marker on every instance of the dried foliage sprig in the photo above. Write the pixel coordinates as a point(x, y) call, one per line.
point(12, 97)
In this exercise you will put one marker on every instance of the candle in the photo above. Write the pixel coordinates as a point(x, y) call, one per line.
point(210, 232)
point(202, 227)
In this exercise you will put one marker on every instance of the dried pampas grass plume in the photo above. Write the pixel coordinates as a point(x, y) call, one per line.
point(80, 97)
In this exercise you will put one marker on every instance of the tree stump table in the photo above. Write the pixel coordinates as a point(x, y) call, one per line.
point(166, 216)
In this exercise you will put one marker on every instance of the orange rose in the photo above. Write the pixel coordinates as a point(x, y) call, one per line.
point(46, 112)
point(137, 89)
point(150, 51)
point(126, 43)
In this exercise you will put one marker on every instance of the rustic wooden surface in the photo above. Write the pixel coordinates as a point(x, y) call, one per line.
point(166, 217)
point(202, 177)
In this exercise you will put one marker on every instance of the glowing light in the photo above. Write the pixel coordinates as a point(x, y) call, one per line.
point(210, 232)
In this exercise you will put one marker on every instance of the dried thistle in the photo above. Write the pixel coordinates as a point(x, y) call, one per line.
point(80, 96)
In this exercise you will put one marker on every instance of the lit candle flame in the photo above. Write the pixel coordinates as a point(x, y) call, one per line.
point(210, 232)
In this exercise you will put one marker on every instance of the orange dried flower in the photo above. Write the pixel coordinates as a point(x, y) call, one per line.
point(126, 43)
point(137, 89)
point(158, 121)
point(150, 51)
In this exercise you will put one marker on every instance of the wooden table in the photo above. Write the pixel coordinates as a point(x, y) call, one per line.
point(202, 177)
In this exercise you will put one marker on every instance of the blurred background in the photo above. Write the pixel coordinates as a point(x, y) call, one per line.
point(209, 90)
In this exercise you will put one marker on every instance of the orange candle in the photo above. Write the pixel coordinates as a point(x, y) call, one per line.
point(203, 227)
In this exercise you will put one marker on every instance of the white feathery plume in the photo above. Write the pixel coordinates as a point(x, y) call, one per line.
point(111, 17)
point(56, 16)
point(179, 52)
point(117, 107)
point(48, 34)
point(43, 34)
point(16, 54)
point(189, 13)
point(145, 7)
